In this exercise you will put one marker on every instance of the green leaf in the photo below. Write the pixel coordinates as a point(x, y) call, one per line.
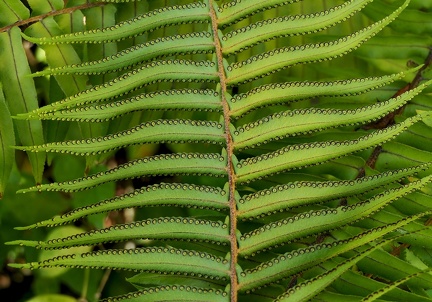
point(12, 11)
point(305, 121)
point(234, 10)
point(285, 93)
point(40, 7)
point(7, 140)
point(185, 99)
point(20, 94)
point(179, 44)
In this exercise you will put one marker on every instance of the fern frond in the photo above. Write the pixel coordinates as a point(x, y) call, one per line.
point(272, 159)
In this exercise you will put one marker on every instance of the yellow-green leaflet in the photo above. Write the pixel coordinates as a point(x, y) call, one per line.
point(163, 228)
point(159, 259)
point(233, 11)
point(182, 14)
point(164, 194)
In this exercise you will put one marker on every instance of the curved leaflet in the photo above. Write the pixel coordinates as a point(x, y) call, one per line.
point(159, 131)
point(182, 14)
point(159, 259)
point(173, 194)
point(168, 228)
point(182, 99)
point(172, 164)
point(236, 10)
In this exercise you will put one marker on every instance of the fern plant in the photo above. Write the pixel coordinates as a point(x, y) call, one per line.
point(294, 182)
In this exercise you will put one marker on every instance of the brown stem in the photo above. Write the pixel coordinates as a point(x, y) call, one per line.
point(230, 155)
point(34, 19)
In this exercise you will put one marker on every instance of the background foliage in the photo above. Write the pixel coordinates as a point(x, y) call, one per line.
point(404, 44)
